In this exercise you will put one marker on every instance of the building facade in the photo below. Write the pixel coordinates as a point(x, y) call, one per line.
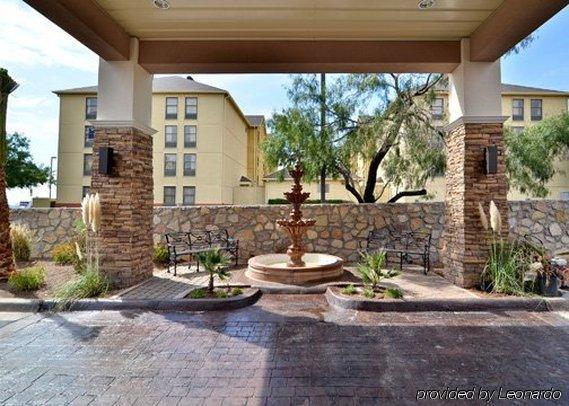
point(205, 150)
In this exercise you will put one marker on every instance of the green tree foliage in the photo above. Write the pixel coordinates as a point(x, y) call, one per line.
point(21, 170)
point(531, 155)
point(375, 124)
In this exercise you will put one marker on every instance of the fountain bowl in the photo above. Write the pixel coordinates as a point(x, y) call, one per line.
point(273, 268)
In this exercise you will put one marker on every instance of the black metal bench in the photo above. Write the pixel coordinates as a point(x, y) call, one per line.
point(405, 244)
point(189, 244)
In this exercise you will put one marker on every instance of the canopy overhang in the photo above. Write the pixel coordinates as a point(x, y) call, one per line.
point(230, 36)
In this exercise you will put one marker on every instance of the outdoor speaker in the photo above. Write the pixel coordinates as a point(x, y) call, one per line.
point(105, 161)
point(491, 166)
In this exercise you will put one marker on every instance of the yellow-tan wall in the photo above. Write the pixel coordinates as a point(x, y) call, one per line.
point(255, 159)
point(221, 149)
point(71, 147)
point(551, 106)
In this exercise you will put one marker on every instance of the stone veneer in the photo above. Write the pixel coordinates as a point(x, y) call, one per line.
point(338, 228)
point(464, 243)
point(125, 238)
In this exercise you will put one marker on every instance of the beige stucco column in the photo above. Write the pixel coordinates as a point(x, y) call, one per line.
point(475, 123)
point(123, 124)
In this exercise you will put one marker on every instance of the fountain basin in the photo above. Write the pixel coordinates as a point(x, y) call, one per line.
point(273, 268)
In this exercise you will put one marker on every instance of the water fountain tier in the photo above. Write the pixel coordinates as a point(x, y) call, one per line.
point(295, 266)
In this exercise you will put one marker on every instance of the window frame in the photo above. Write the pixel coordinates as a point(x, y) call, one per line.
point(170, 144)
point(186, 188)
point(186, 133)
point(164, 194)
point(88, 115)
point(175, 161)
point(87, 144)
point(440, 116)
point(195, 160)
point(536, 117)
point(190, 116)
point(85, 171)
point(514, 107)
point(170, 116)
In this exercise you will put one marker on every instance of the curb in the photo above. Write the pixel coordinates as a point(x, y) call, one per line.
point(248, 298)
point(446, 305)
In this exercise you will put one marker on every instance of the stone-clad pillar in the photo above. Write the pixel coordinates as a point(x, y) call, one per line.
point(476, 123)
point(123, 124)
point(465, 246)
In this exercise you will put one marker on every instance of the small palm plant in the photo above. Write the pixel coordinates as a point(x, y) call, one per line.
point(215, 263)
point(370, 269)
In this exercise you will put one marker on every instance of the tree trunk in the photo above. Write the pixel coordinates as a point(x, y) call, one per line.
point(6, 259)
point(210, 284)
point(406, 193)
point(323, 185)
point(322, 134)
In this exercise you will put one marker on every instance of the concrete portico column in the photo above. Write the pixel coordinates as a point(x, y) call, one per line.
point(123, 124)
point(475, 123)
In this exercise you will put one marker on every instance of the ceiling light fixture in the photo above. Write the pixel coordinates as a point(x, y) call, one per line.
point(426, 4)
point(161, 4)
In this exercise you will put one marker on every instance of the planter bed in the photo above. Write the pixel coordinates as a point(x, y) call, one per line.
point(335, 297)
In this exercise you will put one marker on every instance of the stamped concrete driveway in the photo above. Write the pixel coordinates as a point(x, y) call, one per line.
point(284, 350)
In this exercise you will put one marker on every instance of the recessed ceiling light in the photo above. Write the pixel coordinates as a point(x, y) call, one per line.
point(161, 4)
point(425, 4)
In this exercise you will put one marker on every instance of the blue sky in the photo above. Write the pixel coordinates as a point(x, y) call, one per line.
point(42, 58)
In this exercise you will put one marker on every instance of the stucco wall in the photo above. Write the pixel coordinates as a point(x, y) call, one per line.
point(338, 227)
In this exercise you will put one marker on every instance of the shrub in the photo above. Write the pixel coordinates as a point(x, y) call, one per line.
point(221, 294)
point(236, 291)
point(369, 293)
point(349, 290)
point(22, 241)
point(27, 279)
point(64, 254)
point(160, 254)
point(507, 264)
point(370, 268)
point(198, 293)
point(393, 293)
point(91, 283)
point(215, 262)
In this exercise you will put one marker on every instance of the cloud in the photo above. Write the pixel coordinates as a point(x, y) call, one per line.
point(29, 39)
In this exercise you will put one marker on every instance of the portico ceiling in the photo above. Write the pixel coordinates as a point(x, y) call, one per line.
point(299, 35)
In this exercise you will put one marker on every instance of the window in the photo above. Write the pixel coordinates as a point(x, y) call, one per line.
point(518, 109)
point(89, 136)
point(189, 164)
point(171, 108)
point(86, 190)
point(564, 196)
point(438, 108)
point(169, 195)
point(169, 164)
point(517, 130)
point(171, 136)
point(536, 109)
point(189, 195)
point(91, 108)
point(191, 108)
point(326, 188)
point(190, 136)
point(87, 164)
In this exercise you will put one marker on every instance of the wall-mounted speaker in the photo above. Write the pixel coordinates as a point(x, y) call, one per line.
point(491, 160)
point(105, 161)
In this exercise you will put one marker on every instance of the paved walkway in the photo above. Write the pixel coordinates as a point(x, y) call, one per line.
point(283, 350)
point(164, 285)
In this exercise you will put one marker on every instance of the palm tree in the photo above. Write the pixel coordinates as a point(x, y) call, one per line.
point(7, 86)
point(215, 262)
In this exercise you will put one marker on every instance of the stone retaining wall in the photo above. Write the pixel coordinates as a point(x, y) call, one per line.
point(338, 227)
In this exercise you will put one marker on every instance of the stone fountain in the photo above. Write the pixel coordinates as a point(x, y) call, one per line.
point(296, 266)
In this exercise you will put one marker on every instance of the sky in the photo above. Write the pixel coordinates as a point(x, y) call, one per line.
point(42, 58)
